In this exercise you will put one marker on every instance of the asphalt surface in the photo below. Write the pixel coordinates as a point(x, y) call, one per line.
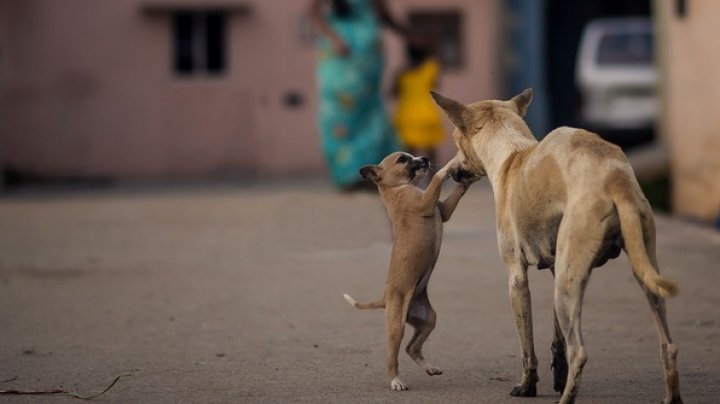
point(234, 294)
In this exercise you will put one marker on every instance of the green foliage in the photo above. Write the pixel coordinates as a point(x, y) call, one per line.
point(657, 193)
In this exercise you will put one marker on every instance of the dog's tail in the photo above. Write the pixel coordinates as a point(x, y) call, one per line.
point(633, 237)
point(380, 304)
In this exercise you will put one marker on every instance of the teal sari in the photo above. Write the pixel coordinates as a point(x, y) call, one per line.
point(354, 126)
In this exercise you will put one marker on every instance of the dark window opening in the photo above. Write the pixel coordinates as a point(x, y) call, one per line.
point(626, 49)
point(199, 42)
point(444, 30)
point(215, 41)
point(184, 27)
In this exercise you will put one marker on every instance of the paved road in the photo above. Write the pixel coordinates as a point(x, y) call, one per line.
point(233, 294)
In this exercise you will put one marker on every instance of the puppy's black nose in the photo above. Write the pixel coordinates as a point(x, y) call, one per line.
point(421, 163)
point(418, 163)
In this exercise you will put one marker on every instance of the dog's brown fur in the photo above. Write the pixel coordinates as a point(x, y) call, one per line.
point(568, 203)
point(417, 219)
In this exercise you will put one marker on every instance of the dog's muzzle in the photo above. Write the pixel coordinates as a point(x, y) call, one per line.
point(460, 174)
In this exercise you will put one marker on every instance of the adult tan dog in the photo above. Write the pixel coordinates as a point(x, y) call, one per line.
point(417, 219)
point(568, 203)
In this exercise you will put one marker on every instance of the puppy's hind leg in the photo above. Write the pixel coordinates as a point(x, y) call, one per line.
point(422, 317)
point(396, 306)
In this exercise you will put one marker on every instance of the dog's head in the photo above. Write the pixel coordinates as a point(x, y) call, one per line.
point(478, 124)
point(397, 169)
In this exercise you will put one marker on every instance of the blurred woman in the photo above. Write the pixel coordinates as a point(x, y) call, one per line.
point(354, 126)
point(417, 118)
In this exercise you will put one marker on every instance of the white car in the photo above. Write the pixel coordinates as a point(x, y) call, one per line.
point(616, 74)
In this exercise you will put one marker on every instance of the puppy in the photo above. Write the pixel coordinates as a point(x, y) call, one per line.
point(417, 219)
point(568, 203)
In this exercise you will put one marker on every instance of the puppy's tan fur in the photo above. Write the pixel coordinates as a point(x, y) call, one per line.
point(568, 203)
point(417, 219)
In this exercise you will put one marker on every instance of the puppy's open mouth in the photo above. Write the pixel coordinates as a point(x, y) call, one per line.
point(419, 171)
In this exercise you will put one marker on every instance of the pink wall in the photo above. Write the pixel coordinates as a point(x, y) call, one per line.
point(88, 90)
point(690, 86)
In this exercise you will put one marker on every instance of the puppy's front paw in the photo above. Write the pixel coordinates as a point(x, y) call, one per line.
point(463, 176)
point(433, 371)
point(443, 173)
point(398, 385)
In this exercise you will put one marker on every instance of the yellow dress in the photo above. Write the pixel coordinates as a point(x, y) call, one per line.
point(417, 118)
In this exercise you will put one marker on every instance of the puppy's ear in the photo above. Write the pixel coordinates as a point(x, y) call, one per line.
point(458, 113)
point(522, 101)
point(371, 172)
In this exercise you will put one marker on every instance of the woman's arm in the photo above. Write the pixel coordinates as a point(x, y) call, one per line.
point(388, 20)
point(317, 17)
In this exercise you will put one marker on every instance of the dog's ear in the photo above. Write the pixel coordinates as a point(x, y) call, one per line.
point(458, 113)
point(371, 172)
point(522, 101)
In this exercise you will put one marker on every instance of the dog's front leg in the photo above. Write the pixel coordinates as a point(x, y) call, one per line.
point(521, 305)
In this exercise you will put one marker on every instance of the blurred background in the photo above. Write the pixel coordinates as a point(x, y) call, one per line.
point(103, 93)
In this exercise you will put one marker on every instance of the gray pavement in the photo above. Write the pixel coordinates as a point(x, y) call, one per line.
point(233, 294)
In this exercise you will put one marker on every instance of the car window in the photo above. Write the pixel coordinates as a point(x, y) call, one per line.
point(626, 49)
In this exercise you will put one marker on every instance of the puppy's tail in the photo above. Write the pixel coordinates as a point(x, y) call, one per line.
point(634, 240)
point(380, 304)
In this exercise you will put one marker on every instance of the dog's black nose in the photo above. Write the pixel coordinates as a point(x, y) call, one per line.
point(425, 161)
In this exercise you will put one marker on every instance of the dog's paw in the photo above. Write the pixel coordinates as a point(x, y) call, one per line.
point(524, 391)
point(433, 371)
point(676, 400)
point(398, 385)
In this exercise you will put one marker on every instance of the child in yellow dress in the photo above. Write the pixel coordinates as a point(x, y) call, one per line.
point(417, 118)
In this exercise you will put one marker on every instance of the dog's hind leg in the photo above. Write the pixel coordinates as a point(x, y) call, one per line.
point(396, 305)
point(521, 305)
point(579, 240)
point(422, 317)
point(559, 363)
point(569, 292)
point(668, 351)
